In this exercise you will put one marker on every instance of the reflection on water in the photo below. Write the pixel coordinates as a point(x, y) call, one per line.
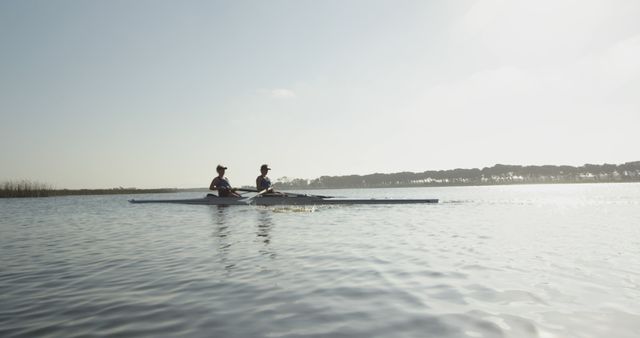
point(265, 224)
point(227, 231)
point(230, 229)
point(221, 235)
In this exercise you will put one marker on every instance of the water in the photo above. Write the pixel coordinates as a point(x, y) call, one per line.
point(501, 261)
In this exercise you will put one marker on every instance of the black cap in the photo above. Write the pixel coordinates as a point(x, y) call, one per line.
point(264, 166)
point(220, 166)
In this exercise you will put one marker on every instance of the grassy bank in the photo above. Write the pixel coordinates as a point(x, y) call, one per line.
point(26, 188)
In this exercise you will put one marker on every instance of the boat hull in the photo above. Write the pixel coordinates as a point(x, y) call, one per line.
point(285, 200)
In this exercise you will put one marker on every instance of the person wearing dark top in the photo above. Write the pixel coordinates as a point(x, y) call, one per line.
point(221, 184)
point(263, 182)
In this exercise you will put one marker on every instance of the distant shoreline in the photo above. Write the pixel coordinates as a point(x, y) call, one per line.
point(101, 192)
point(28, 189)
point(499, 174)
point(460, 185)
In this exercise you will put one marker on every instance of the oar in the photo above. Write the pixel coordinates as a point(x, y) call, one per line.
point(305, 195)
point(234, 190)
point(299, 195)
point(247, 190)
point(270, 189)
point(249, 199)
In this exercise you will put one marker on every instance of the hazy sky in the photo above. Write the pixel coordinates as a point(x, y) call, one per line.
point(156, 93)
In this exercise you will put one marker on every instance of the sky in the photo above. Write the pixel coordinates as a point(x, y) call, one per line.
point(101, 94)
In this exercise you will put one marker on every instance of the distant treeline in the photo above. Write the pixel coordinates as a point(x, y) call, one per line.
point(26, 188)
point(498, 174)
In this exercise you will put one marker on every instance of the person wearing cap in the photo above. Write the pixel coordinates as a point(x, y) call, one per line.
point(263, 182)
point(221, 184)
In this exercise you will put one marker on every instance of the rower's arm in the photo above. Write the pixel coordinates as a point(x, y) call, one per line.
point(214, 184)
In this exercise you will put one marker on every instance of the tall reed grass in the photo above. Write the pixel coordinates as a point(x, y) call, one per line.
point(25, 188)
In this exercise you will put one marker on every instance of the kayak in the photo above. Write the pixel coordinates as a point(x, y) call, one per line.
point(296, 199)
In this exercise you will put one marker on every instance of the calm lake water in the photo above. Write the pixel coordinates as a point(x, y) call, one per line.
point(499, 261)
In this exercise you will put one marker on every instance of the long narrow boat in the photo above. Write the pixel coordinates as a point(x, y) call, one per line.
point(296, 199)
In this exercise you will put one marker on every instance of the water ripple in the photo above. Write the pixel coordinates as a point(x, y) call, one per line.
point(508, 262)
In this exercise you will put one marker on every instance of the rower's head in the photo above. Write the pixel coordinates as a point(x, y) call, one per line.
point(264, 169)
point(221, 169)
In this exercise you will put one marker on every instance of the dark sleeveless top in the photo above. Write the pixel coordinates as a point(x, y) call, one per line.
point(263, 183)
point(223, 186)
